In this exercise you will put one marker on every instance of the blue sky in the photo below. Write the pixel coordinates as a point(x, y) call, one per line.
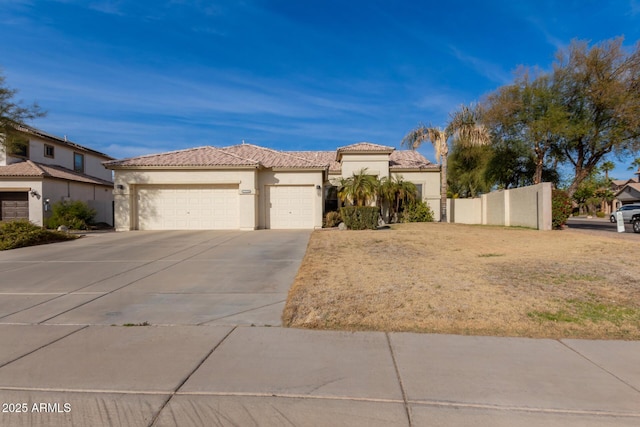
point(135, 77)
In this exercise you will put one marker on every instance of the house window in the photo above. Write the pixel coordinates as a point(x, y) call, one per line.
point(49, 151)
point(418, 191)
point(78, 162)
point(330, 198)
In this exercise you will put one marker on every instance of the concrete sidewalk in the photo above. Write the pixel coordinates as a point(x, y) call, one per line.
point(208, 375)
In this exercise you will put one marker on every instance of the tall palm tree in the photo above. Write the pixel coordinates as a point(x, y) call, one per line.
point(607, 167)
point(464, 127)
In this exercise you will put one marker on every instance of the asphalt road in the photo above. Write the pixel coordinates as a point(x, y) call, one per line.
point(597, 224)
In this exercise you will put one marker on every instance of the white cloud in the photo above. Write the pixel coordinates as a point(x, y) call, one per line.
point(492, 71)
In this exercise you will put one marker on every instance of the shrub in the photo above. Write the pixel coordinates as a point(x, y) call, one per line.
point(75, 215)
point(332, 219)
point(600, 214)
point(417, 211)
point(560, 208)
point(360, 217)
point(21, 233)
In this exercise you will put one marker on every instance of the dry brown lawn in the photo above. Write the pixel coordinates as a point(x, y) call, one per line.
point(476, 280)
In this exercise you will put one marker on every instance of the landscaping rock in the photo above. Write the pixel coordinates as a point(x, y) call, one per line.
point(342, 226)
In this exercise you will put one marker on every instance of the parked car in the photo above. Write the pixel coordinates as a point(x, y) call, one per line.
point(627, 212)
point(635, 220)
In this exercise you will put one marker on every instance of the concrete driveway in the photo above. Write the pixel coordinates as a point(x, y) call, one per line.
point(163, 278)
point(64, 367)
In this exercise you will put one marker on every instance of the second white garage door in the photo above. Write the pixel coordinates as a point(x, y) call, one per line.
point(289, 206)
point(192, 207)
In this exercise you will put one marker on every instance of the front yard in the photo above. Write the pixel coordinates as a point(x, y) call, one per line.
point(476, 280)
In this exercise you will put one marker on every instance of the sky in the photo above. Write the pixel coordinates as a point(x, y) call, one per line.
point(133, 77)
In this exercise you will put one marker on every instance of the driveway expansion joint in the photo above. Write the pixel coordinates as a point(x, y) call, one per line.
point(407, 408)
point(599, 366)
point(528, 409)
point(43, 346)
point(193, 371)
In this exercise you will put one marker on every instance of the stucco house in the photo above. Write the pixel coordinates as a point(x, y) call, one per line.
point(249, 187)
point(51, 169)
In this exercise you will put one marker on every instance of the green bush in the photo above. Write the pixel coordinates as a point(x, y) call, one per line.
point(360, 217)
point(417, 211)
point(75, 215)
point(21, 233)
point(560, 208)
point(332, 219)
point(600, 214)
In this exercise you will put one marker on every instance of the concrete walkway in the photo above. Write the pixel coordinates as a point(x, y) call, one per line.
point(228, 376)
point(63, 364)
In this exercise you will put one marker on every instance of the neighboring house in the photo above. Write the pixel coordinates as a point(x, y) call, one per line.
point(51, 169)
point(626, 191)
point(248, 187)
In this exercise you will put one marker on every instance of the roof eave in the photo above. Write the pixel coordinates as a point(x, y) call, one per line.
point(180, 167)
point(299, 169)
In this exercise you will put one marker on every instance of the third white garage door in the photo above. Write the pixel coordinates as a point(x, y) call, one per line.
point(187, 207)
point(289, 206)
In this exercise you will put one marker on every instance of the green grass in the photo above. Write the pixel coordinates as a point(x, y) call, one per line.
point(21, 233)
point(579, 312)
point(137, 324)
point(490, 255)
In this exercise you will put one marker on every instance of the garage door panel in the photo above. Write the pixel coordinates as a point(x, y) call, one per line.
point(194, 207)
point(289, 207)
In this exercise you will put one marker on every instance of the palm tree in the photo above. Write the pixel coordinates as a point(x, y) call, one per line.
point(359, 189)
point(465, 128)
point(607, 167)
point(396, 192)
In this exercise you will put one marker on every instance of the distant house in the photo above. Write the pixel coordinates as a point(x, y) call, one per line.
point(249, 187)
point(51, 169)
point(626, 191)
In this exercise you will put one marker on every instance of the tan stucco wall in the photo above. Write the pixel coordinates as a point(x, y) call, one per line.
point(525, 207)
point(310, 178)
point(464, 211)
point(63, 156)
point(376, 164)
point(98, 197)
point(35, 202)
point(124, 198)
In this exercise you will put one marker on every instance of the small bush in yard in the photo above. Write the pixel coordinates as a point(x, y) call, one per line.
point(75, 215)
point(560, 208)
point(417, 211)
point(360, 217)
point(332, 219)
point(21, 233)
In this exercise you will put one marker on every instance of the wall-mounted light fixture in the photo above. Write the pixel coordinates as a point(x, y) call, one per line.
point(34, 193)
point(318, 187)
point(120, 187)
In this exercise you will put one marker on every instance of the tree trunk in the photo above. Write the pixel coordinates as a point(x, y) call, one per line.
point(580, 175)
point(443, 188)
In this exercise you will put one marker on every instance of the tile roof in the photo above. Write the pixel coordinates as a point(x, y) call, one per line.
point(31, 169)
point(254, 155)
point(323, 157)
point(633, 185)
point(200, 156)
point(365, 146)
point(272, 158)
point(409, 159)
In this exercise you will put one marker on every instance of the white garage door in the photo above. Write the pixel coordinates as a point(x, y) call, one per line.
point(192, 207)
point(289, 206)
